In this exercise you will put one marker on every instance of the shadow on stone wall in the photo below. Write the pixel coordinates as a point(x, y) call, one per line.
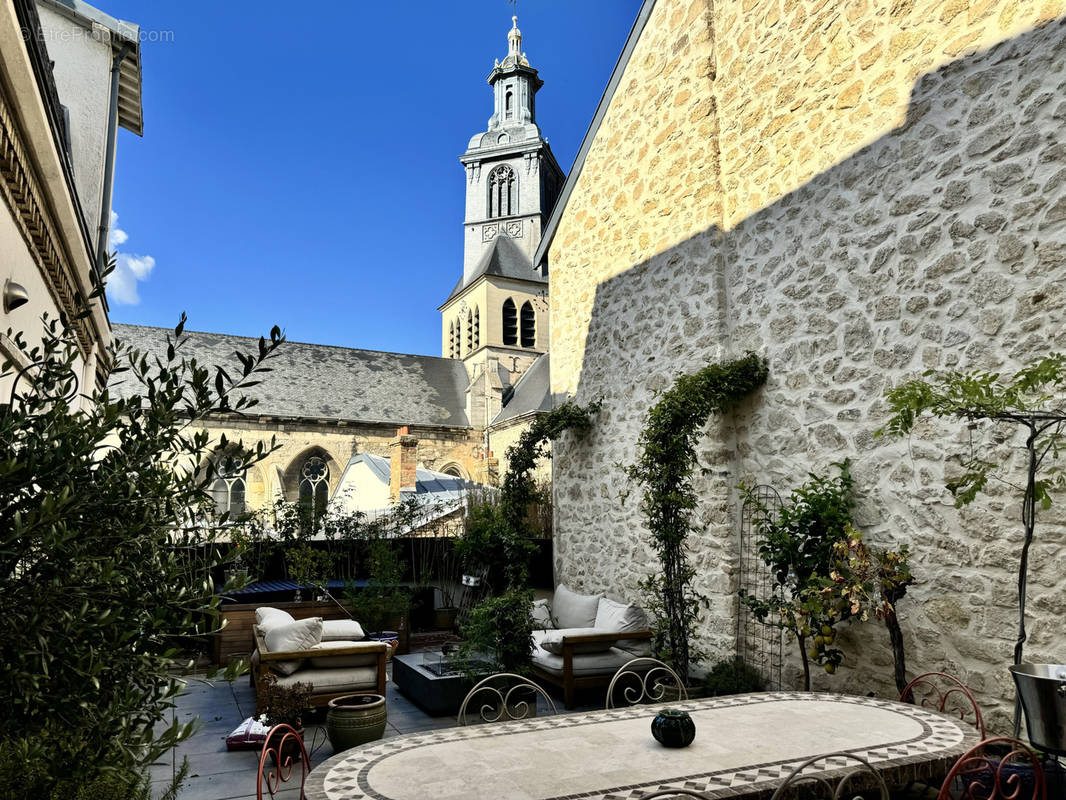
point(939, 245)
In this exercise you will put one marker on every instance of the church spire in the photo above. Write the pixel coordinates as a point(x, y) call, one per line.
point(514, 41)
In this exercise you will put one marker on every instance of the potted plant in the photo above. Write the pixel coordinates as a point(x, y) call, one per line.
point(732, 676)
point(383, 604)
point(440, 568)
point(284, 705)
point(500, 629)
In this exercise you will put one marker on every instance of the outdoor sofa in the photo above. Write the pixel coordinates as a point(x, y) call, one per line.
point(329, 655)
point(581, 640)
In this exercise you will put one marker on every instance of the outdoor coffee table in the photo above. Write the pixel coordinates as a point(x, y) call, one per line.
point(745, 745)
point(437, 692)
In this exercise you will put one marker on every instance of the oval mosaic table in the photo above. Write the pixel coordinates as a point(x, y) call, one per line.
point(745, 745)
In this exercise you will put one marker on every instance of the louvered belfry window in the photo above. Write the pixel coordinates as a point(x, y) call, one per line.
point(529, 325)
point(510, 322)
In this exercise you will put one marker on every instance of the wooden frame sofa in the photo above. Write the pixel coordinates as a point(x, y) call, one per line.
point(583, 640)
point(333, 667)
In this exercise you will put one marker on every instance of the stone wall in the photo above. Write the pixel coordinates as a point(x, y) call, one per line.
point(881, 192)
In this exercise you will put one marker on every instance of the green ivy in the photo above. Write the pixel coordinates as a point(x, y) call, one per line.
point(498, 544)
point(668, 457)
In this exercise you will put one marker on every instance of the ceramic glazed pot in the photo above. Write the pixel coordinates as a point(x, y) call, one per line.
point(391, 638)
point(355, 719)
point(673, 728)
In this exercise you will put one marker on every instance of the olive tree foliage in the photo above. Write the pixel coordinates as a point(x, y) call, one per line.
point(106, 542)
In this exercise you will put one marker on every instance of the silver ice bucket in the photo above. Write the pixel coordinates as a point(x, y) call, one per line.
point(1042, 689)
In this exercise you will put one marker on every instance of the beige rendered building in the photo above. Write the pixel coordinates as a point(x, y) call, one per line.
point(69, 78)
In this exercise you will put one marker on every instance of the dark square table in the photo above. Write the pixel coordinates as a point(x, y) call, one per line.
point(435, 694)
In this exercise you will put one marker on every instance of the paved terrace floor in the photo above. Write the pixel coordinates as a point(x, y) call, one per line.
point(218, 774)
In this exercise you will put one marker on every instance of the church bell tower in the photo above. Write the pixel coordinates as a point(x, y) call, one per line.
point(496, 318)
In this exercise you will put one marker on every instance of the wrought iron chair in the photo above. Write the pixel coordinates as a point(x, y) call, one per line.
point(504, 696)
point(283, 744)
point(946, 693)
point(996, 768)
point(861, 778)
point(648, 679)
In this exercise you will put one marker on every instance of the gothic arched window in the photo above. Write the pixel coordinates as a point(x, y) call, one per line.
point(229, 487)
point(529, 325)
point(314, 484)
point(451, 341)
point(469, 331)
point(477, 328)
point(510, 322)
point(503, 192)
point(508, 105)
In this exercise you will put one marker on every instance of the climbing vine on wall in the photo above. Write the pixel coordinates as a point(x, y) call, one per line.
point(667, 460)
point(498, 544)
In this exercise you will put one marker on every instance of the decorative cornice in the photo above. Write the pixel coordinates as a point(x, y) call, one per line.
point(22, 191)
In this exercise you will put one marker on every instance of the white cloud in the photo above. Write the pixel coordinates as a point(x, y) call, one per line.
point(130, 268)
point(118, 236)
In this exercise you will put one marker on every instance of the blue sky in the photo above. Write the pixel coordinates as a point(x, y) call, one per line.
point(299, 162)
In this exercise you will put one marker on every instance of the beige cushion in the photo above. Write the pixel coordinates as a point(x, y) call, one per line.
point(338, 630)
point(352, 660)
point(329, 681)
point(552, 641)
point(301, 634)
point(542, 615)
point(573, 610)
point(267, 617)
point(604, 663)
point(624, 617)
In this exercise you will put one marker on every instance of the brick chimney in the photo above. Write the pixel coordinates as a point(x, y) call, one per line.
point(403, 458)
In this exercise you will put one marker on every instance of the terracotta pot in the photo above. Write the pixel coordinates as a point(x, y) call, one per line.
point(355, 719)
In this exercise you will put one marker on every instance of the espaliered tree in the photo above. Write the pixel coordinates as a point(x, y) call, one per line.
point(665, 467)
point(1034, 400)
point(498, 543)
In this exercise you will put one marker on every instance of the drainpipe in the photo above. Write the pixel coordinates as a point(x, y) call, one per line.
point(109, 167)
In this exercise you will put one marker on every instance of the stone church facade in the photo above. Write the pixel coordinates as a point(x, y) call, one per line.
point(860, 191)
point(325, 405)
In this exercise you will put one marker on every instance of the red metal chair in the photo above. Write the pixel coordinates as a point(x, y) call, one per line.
point(996, 769)
point(283, 745)
point(942, 692)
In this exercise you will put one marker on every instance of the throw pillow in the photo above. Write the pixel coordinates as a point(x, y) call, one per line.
point(615, 615)
point(573, 610)
point(267, 617)
point(542, 615)
point(341, 630)
point(302, 634)
point(553, 641)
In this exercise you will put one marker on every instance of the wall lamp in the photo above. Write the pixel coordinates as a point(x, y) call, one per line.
point(15, 295)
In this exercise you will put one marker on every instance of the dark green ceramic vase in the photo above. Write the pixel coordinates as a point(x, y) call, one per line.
point(673, 728)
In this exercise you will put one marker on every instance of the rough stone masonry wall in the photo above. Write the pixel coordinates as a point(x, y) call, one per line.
point(860, 241)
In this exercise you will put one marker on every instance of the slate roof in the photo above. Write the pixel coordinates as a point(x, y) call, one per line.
point(320, 381)
point(504, 259)
point(531, 393)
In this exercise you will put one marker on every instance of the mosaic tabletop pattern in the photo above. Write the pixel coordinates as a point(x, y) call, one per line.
point(745, 745)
